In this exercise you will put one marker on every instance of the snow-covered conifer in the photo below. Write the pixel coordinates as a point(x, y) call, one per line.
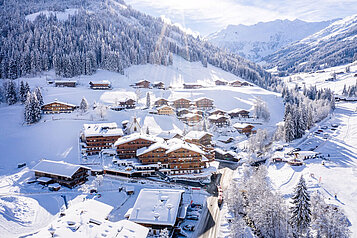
point(83, 106)
point(39, 95)
point(148, 102)
point(301, 209)
point(10, 92)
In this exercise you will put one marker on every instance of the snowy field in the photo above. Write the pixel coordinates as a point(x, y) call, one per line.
point(338, 175)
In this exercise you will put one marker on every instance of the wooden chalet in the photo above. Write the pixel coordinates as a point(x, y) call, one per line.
point(158, 85)
point(246, 84)
point(239, 113)
point(165, 110)
point(98, 137)
point(181, 103)
point(126, 104)
point(69, 175)
point(142, 84)
point(199, 138)
point(105, 84)
point(244, 128)
point(191, 119)
point(182, 111)
point(161, 102)
point(62, 83)
point(57, 107)
point(176, 156)
point(127, 146)
point(219, 120)
point(204, 103)
point(236, 83)
point(220, 82)
point(217, 112)
point(192, 86)
point(225, 155)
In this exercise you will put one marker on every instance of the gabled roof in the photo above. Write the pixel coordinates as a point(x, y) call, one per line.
point(156, 206)
point(168, 134)
point(202, 98)
point(102, 129)
point(55, 101)
point(65, 81)
point(152, 147)
point(100, 82)
point(191, 115)
point(59, 168)
point(136, 136)
point(216, 117)
point(242, 125)
point(183, 145)
point(182, 99)
point(162, 107)
point(196, 135)
point(142, 81)
point(236, 110)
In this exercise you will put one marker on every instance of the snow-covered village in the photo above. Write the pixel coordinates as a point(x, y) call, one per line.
point(163, 119)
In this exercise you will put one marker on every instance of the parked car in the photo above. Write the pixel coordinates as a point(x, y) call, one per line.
point(334, 125)
point(189, 227)
point(324, 127)
point(325, 136)
point(319, 130)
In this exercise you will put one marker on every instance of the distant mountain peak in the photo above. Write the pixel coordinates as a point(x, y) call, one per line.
point(263, 38)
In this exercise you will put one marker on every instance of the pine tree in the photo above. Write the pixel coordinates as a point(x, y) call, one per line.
point(10, 94)
point(39, 95)
point(148, 103)
point(32, 112)
point(83, 106)
point(289, 129)
point(300, 211)
point(22, 92)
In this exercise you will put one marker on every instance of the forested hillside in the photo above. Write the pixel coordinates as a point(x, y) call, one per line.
point(101, 34)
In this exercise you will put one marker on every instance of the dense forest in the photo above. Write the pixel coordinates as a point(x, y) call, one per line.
point(102, 34)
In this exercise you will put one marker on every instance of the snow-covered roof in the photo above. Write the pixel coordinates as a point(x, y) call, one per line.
point(168, 134)
point(236, 110)
point(65, 81)
point(225, 138)
point(165, 106)
point(100, 82)
point(102, 129)
point(156, 206)
point(216, 110)
point(56, 101)
point(152, 147)
point(136, 136)
point(174, 145)
point(201, 98)
point(217, 116)
point(128, 229)
point(59, 168)
point(241, 125)
point(196, 135)
point(190, 115)
point(43, 179)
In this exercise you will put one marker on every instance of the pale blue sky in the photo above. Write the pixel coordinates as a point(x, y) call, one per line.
point(207, 16)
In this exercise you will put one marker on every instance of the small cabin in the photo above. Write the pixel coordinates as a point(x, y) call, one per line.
point(165, 110)
point(58, 107)
point(105, 84)
point(161, 102)
point(192, 86)
point(220, 82)
point(219, 120)
point(239, 113)
point(66, 174)
point(142, 84)
point(158, 85)
point(244, 128)
point(60, 83)
point(236, 83)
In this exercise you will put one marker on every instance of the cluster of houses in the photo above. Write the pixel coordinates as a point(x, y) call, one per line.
point(147, 84)
point(236, 83)
point(102, 85)
point(137, 154)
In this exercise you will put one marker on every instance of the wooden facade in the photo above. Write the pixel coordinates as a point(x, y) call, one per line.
point(220, 121)
point(161, 102)
point(127, 104)
point(204, 103)
point(100, 85)
point(181, 103)
point(220, 82)
point(58, 107)
point(128, 150)
point(236, 83)
point(178, 162)
point(191, 119)
point(165, 110)
point(158, 85)
point(192, 86)
point(78, 178)
point(239, 113)
point(95, 144)
point(142, 84)
point(71, 84)
point(205, 140)
point(245, 129)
